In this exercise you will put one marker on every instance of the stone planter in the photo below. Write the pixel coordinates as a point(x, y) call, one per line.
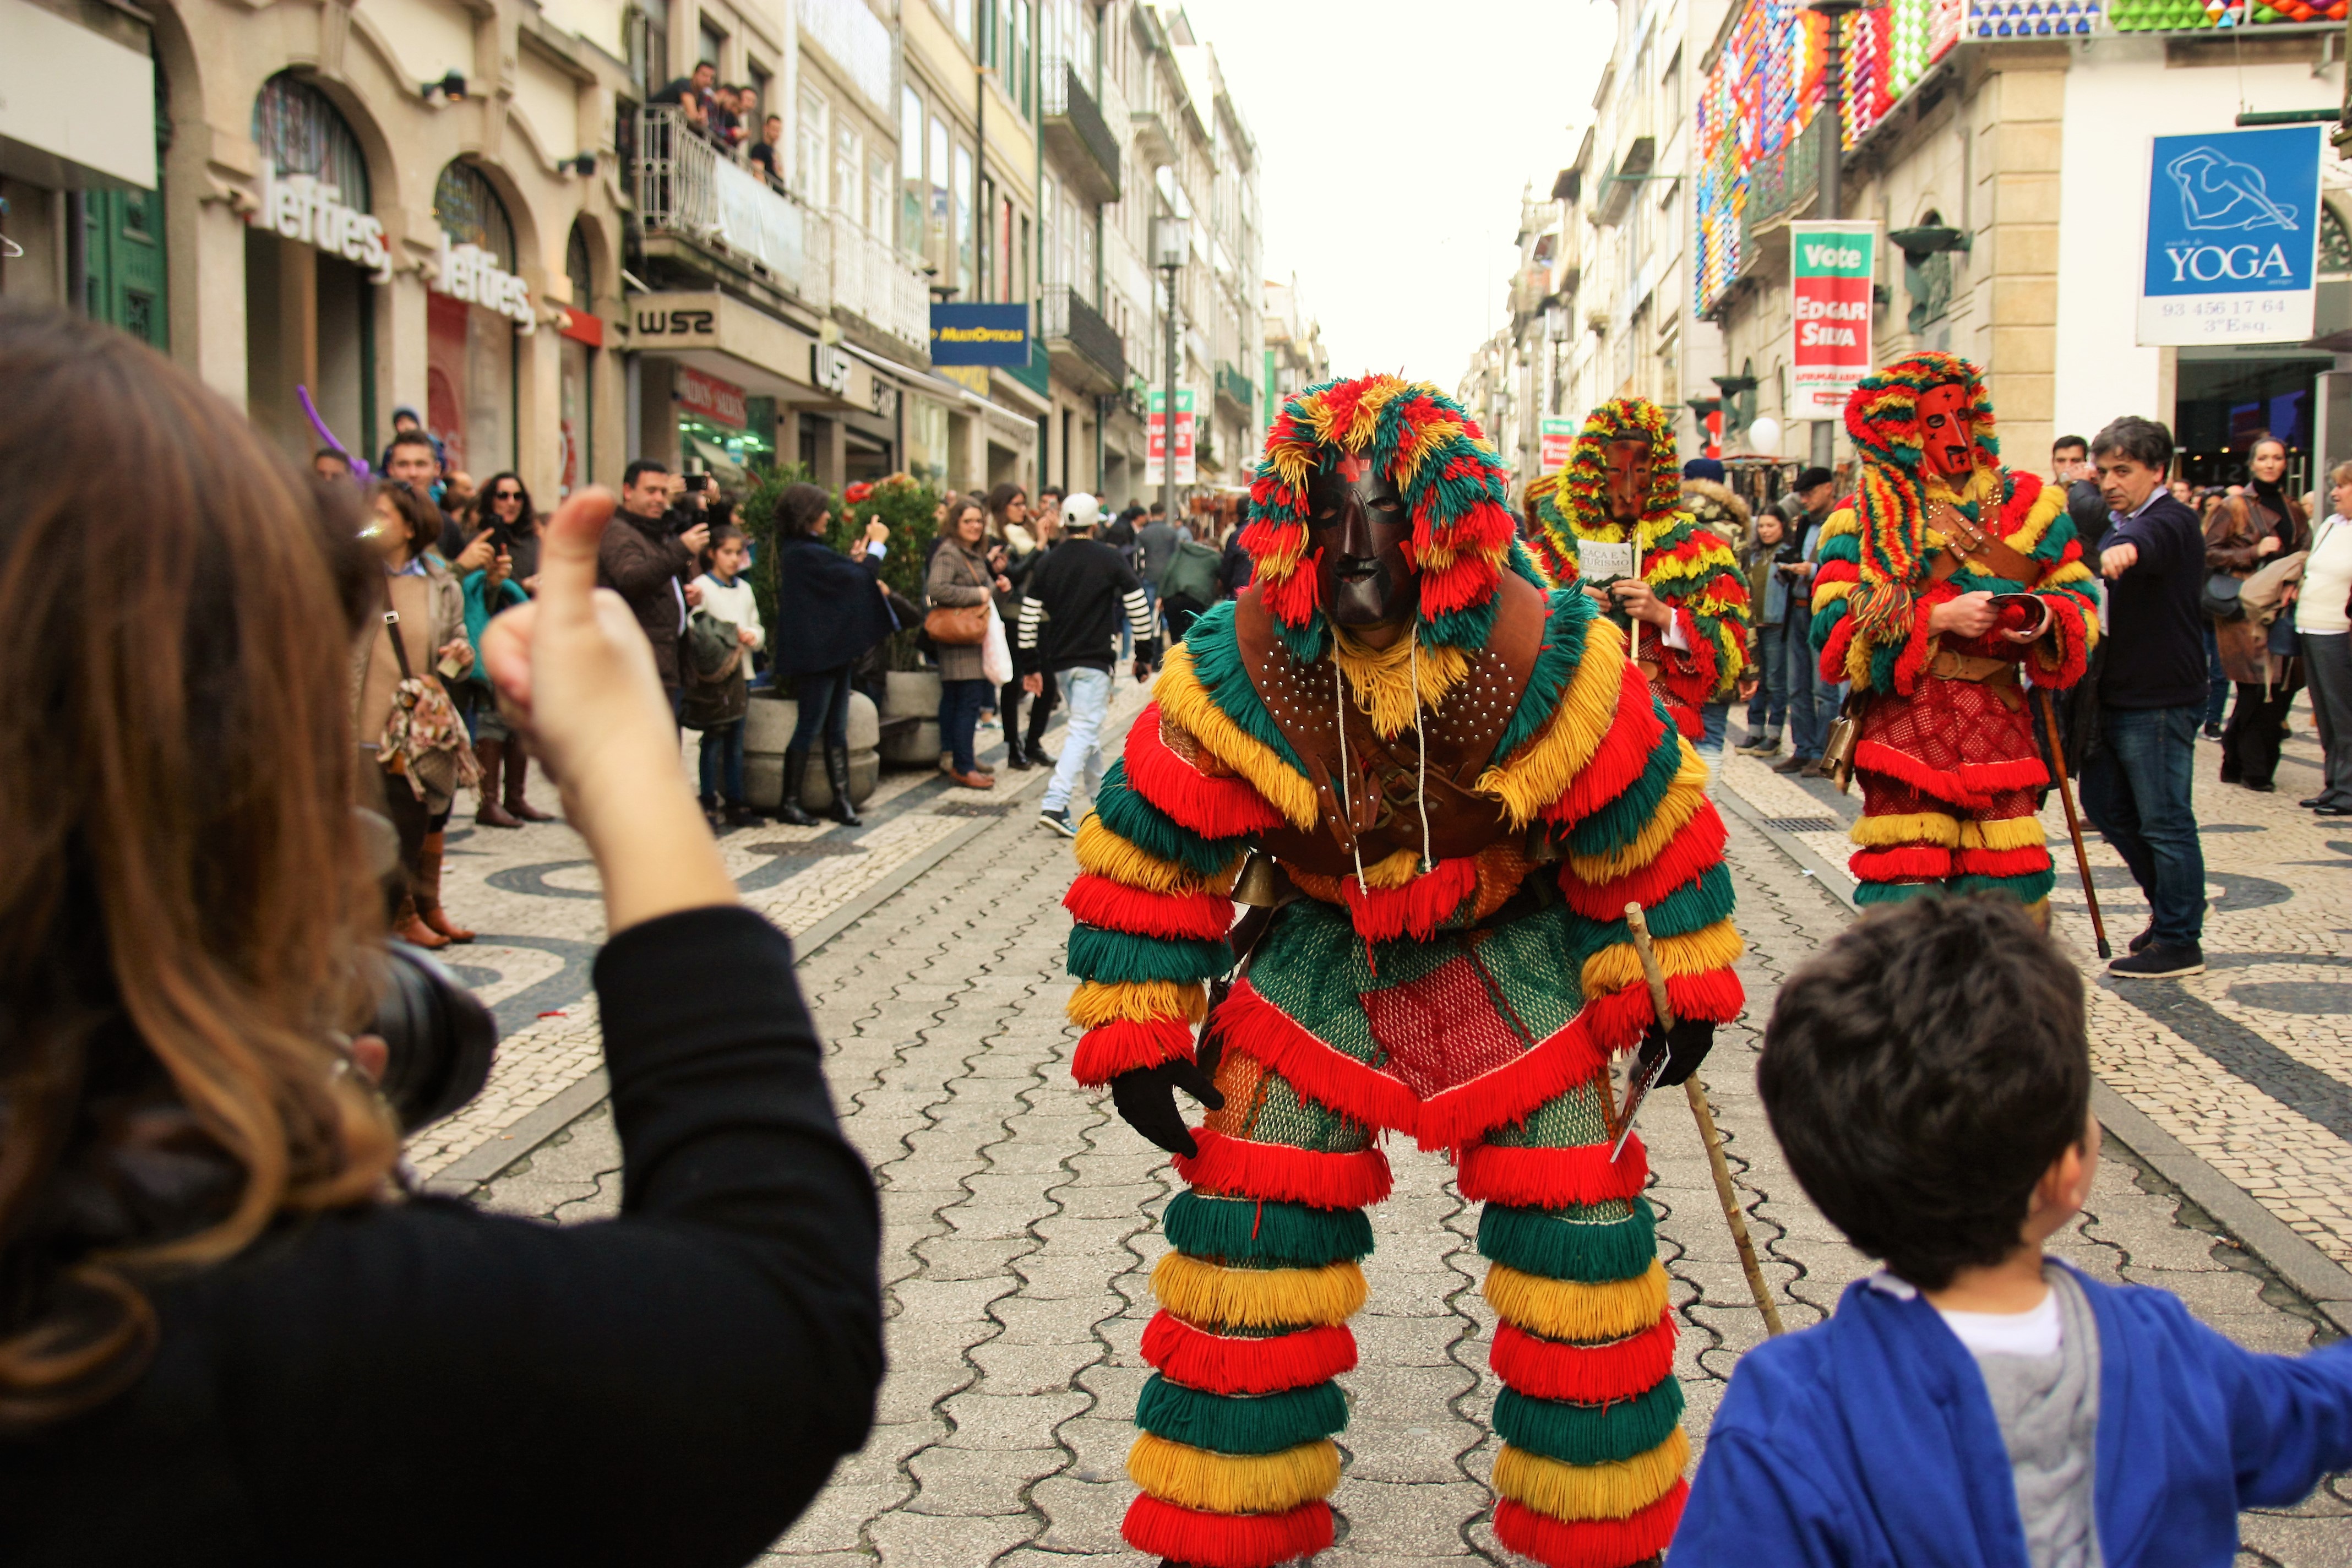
point(768, 728)
point(912, 694)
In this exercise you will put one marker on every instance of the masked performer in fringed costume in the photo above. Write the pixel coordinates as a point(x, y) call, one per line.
point(1447, 784)
point(1687, 595)
point(1940, 578)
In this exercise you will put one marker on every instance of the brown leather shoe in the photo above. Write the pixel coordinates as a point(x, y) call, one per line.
point(491, 813)
point(518, 769)
point(428, 897)
point(973, 781)
point(407, 927)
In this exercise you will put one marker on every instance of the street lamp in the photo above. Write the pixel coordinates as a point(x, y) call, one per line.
point(1169, 241)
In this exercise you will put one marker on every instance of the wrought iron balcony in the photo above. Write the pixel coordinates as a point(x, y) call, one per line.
point(1238, 392)
point(1083, 346)
point(685, 190)
point(1078, 137)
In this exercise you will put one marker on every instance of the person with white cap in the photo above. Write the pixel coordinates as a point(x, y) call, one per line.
point(1069, 632)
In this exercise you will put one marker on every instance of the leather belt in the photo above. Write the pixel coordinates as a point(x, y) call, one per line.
point(1949, 665)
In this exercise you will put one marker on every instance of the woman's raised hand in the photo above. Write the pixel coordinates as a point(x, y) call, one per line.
point(575, 676)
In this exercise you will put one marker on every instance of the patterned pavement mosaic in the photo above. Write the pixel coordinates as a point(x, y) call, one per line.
point(1020, 1215)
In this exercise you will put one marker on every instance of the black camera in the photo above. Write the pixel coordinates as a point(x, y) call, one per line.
point(438, 1037)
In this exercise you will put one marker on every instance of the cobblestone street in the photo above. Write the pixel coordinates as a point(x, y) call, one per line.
point(1021, 1214)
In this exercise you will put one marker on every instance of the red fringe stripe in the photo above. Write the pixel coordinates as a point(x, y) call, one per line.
point(1384, 914)
point(1164, 1530)
point(1623, 754)
point(1124, 1045)
point(1213, 807)
point(1697, 845)
point(1232, 1364)
point(1616, 1020)
point(1901, 863)
point(1970, 784)
point(1100, 901)
point(2022, 862)
point(1251, 1023)
point(1589, 1375)
point(1552, 1178)
point(1240, 1168)
point(1588, 1542)
point(1553, 1066)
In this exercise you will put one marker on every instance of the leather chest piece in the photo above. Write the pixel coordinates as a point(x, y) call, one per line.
point(1370, 808)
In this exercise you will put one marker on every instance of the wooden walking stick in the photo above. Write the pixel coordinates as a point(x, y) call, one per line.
point(2074, 824)
point(1639, 928)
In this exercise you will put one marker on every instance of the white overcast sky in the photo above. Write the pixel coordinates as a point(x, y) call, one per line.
point(1393, 140)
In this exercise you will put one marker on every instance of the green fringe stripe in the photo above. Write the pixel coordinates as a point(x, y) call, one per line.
point(1115, 956)
point(1126, 813)
point(1271, 1235)
point(1589, 1434)
point(1265, 1425)
point(1566, 1244)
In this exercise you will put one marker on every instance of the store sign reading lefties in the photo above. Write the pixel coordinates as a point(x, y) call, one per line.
point(302, 209)
point(468, 272)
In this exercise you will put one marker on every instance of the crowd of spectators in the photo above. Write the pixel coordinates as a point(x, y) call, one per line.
point(727, 115)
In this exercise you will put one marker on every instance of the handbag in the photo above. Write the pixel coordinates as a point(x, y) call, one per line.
point(996, 651)
point(958, 625)
point(2219, 601)
point(424, 740)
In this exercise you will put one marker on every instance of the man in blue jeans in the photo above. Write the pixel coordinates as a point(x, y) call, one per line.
point(1812, 702)
point(2136, 780)
point(1070, 630)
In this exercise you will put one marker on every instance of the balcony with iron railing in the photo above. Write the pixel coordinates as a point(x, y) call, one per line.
point(874, 283)
point(1083, 347)
point(1238, 392)
point(1077, 135)
point(687, 192)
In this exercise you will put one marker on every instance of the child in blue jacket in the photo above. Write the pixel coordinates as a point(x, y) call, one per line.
point(1978, 1405)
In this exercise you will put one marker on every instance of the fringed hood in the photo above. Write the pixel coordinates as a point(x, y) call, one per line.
point(1578, 501)
point(1454, 489)
point(1891, 494)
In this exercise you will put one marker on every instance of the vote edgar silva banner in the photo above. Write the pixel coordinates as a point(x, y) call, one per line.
point(980, 334)
point(1833, 272)
point(2232, 237)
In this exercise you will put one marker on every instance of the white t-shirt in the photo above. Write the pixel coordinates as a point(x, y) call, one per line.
point(2326, 580)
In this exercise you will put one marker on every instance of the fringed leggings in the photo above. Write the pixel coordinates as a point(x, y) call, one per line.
point(1237, 1457)
point(1949, 780)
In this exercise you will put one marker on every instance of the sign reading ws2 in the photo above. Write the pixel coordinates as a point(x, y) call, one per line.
point(2232, 237)
point(980, 334)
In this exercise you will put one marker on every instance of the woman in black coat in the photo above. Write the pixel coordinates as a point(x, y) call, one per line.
point(829, 611)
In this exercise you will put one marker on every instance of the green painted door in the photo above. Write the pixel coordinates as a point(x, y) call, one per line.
point(125, 283)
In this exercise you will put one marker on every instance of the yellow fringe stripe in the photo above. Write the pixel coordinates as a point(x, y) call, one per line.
point(1432, 437)
point(2037, 519)
point(1211, 1296)
point(1614, 968)
point(1617, 1489)
point(1841, 520)
point(1394, 871)
point(1541, 770)
point(1829, 594)
point(1184, 699)
point(1571, 1310)
point(2008, 833)
point(1379, 681)
point(1105, 854)
point(1685, 796)
point(1098, 1002)
point(1906, 827)
point(1235, 1483)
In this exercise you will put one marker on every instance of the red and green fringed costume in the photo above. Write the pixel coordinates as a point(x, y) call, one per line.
point(1948, 764)
point(1471, 1005)
point(1689, 567)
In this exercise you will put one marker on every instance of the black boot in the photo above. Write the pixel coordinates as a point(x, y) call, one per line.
point(795, 774)
point(837, 773)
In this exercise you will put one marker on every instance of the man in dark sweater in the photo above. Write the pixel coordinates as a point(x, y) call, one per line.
point(647, 560)
point(1070, 630)
point(2136, 781)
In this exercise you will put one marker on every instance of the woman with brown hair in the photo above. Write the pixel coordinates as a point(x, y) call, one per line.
point(1023, 540)
point(228, 1335)
point(2244, 532)
point(962, 574)
point(431, 608)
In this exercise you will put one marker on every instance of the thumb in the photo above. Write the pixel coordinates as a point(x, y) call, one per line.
point(1189, 1077)
point(567, 558)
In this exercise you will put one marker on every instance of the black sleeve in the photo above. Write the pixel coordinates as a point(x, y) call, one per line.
point(432, 1384)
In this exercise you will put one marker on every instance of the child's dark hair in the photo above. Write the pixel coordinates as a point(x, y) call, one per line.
point(1922, 1072)
point(721, 534)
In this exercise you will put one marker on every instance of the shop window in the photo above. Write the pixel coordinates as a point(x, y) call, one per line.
point(470, 360)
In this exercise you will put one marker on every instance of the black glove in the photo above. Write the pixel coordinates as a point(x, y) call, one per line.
point(1146, 1101)
point(1690, 1039)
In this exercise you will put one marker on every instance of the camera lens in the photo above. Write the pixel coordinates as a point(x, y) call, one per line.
point(438, 1037)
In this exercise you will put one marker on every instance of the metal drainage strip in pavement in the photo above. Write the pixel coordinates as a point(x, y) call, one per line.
point(974, 807)
point(1804, 823)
